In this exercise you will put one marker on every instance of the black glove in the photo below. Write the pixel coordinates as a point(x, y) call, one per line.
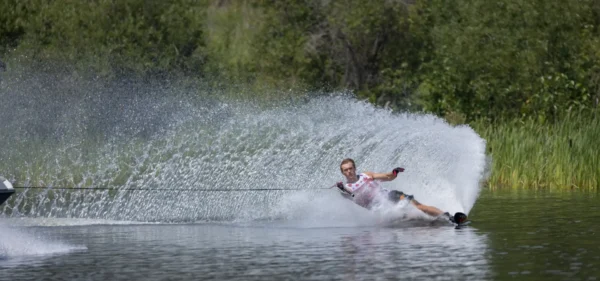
point(340, 185)
point(395, 171)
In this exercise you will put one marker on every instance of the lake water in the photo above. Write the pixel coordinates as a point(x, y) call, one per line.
point(210, 175)
point(513, 236)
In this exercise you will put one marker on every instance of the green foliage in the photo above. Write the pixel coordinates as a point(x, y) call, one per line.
point(11, 23)
point(280, 43)
point(495, 59)
point(476, 58)
point(230, 31)
point(534, 63)
point(136, 35)
point(333, 44)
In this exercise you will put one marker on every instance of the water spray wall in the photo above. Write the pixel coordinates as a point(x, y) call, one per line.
point(181, 142)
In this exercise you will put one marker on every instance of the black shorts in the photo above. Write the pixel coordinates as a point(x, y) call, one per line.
point(395, 196)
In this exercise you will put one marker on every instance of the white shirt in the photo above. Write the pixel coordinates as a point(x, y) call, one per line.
point(365, 190)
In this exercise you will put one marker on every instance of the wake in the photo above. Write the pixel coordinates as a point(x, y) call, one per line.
point(172, 141)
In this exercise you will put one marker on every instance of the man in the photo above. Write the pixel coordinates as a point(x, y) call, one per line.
point(364, 189)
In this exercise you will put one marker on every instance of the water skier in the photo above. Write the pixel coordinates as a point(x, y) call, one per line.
point(364, 189)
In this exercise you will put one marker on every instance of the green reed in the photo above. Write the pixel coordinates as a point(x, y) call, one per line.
point(559, 155)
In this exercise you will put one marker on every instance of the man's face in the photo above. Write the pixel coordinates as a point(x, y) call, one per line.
point(349, 171)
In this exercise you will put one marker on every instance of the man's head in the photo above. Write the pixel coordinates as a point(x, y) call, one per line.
point(348, 168)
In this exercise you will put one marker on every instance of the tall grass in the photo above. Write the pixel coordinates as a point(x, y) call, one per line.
point(560, 155)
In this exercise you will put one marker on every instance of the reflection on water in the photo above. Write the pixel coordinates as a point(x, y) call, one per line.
point(228, 252)
point(524, 236)
point(542, 235)
point(418, 253)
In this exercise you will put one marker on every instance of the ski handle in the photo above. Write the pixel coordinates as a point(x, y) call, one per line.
point(340, 186)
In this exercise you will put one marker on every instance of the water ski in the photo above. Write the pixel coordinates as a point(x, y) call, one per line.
point(459, 219)
point(6, 190)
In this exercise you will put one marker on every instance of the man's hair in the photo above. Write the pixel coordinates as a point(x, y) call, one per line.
point(347, 160)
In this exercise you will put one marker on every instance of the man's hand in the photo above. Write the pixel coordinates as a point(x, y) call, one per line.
point(395, 171)
point(340, 185)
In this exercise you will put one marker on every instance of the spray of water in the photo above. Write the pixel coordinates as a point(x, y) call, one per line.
point(20, 244)
point(70, 132)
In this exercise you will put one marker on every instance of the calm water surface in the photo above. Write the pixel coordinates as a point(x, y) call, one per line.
point(513, 236)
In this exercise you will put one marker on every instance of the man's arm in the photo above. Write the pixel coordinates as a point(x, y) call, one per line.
point(385, 176)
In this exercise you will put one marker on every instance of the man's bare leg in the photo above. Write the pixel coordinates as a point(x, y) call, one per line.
point(430, 210)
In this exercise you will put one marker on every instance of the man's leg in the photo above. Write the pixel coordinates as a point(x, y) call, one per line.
point(430, 210)
point(395, 196)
